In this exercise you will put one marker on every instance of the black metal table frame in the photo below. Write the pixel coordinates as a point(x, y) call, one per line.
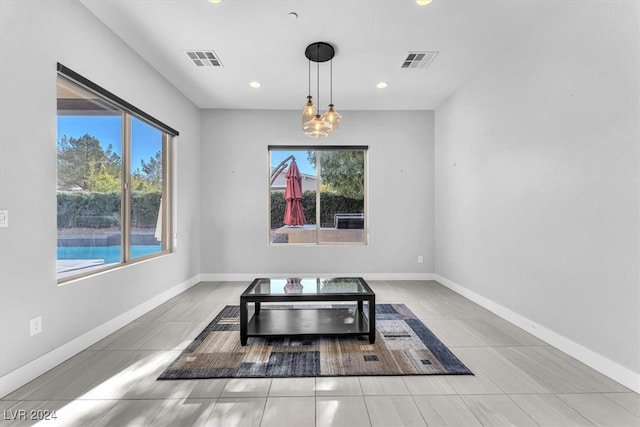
point(359, 297)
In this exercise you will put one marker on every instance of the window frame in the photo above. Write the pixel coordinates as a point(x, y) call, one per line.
point(168, 134)
point(317, 148)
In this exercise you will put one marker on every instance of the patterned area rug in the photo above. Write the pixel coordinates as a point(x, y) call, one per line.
point(404, 346)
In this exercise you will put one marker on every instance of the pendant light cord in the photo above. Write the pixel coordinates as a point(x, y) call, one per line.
point(331, 82)
point(318, 77)
point(309, 77)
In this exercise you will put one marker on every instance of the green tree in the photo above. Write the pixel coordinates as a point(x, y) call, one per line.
point(105, 182)
point(114, 163)
point(342, 172)
point(153, 169)
point(148, 177)
point(83, 164)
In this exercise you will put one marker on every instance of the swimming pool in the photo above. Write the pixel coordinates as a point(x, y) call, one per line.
point(109, 254)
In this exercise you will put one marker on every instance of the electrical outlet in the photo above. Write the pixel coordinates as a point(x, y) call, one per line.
point(35, 325)
point(4, 218)
point(420, 259)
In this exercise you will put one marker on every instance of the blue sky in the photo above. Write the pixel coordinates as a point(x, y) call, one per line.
point(147, 140)
point(301, 160)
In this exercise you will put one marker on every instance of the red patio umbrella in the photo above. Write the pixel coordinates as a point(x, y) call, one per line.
point(293, 210)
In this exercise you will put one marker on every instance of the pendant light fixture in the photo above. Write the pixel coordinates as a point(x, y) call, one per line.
point(331, 116)
point(314, 124)
point(309, 110)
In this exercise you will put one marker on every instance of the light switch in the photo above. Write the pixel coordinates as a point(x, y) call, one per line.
point(4, 218)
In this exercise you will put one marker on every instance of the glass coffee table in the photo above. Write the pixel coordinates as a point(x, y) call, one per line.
point(289, 320)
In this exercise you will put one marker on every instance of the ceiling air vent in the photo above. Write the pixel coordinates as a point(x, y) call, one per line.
point(204, 58)
point(418, 60)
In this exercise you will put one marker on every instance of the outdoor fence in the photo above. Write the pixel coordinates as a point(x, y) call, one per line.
point(102, 210)
point(330, 204)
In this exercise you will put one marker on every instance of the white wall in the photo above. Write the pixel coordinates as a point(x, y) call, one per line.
point(536, 171)
point(537, 179)
point(35, 36)
point(235, 210)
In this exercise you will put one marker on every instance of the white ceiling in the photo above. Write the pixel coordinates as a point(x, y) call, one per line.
point(257, 40)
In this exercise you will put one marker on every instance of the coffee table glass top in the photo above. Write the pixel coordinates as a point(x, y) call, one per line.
point(309, 286)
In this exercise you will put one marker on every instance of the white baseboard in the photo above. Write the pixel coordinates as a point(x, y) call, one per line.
point(21, 376)
point(398, 276)
point(605, 366)
point(247, 277)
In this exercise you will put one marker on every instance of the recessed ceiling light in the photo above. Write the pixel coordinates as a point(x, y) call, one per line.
point(215, 1)
point(293, 16)
point(255, 85)
point(418, 2)
point(382, 85)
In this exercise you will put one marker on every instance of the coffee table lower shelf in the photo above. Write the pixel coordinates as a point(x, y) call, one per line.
point(300, 322)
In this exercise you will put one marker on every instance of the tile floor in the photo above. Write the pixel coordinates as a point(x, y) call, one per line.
point(519, 380)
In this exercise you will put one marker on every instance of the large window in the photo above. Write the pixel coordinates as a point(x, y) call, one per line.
point(113, 180)
point(318, 195)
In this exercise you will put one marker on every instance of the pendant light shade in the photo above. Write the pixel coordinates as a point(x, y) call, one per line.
point(317, 128)
point(314, 124)
point(309, 110)
point(332, 118)
point(308, 113)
